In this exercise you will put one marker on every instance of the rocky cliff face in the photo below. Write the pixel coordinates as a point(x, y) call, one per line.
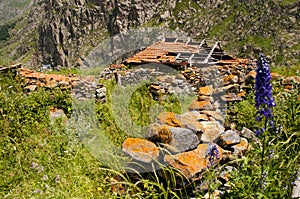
point(71, 27)
point(64, 31)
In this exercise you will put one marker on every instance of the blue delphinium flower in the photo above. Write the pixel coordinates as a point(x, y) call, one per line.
point(264, 100)
point(212, 153)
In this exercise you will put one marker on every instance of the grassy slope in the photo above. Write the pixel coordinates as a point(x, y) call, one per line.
point(40, 159)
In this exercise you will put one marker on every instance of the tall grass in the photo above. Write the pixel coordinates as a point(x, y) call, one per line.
point(40, 159)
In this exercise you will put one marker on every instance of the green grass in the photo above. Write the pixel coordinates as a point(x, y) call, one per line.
point(41, 158)
point(287, 70)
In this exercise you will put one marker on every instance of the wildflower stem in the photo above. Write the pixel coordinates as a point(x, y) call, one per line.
point(262, 157)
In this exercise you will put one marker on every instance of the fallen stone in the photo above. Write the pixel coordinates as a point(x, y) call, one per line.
point(159, 134)
point(200, 105)
point(291, 80)
point(231, 97)
point(206, 90)
point(217, 115)
point(188, 122)
point(192, 162)
point(56, 113)
point(247, 133)
point(296, 187)
point(241, 147)
point(183, 139)
point(212, 131)
point(195, 115)
point(140, 149)
point(217, 194)
point(169, 119)
point(229, 137)
point(189, 163)
point(230, 79)
point(31, 87)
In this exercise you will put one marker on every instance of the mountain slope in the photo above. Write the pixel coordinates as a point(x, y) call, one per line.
point(60, 32)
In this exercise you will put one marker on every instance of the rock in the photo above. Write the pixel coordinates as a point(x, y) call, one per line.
point(192, 162)
point(190, 123)
point(212, 131)
point(217, 115)
point(180, 76)
point(206, 90)
point(200, 105)
point(140, 149)
point(291, 80)
point(229, 137)
point(225, 174)
point(160, 134)
point(217, 194)
point(231, 97)
point(169, 119)
point(276, 76)
point(183, 139)
point(202, 150)
point(247, 133)
point(250, 77)
point(241, 147)
point(231, 88)
point(230, 79)
point(56, 113)
point(31, 87)
point(193, 115)
point(205, 98)
point(296, 187)
point(189, 163)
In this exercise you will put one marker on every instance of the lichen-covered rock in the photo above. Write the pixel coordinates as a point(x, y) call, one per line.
point(241, 147)
point(200, 105)
point(190, 123)
point(183, 139)
point(192, 162)
point(189, 163)
point(229, 137)
point(212, 131)
point(206, 90)
point(169, 119)
point(140, 149)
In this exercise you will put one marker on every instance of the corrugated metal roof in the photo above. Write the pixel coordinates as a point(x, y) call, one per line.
point(173, 51)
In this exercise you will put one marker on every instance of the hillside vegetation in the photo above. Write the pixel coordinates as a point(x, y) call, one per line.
point(63, 32)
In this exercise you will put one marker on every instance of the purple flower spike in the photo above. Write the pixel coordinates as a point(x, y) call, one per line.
point(264, 100)
point(212, 153)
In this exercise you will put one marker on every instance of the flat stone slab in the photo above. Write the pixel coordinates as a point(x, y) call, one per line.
point(190, 123)
point(217, 115)
point(200, 105)
point(241, 147)
point(169, 119)
point(189, 163)
point(192, 162)
point(229, 137)
point(140, 149)
point(206, 90)
point(183, 139)
point(211, 131)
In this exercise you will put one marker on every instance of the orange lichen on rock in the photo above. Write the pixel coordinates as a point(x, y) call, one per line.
point(140, 149)
point(169, 119)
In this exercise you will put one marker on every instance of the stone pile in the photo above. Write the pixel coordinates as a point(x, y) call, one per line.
point(82, 87)
point(184, 141)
